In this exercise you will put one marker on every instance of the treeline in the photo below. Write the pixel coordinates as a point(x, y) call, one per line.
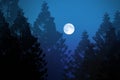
point(39, 52)
point(21, 57)
point(100, 59)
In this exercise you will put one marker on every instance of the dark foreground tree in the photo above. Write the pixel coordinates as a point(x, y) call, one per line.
point(82, 54)
point(107, 53)
point(101, 60)
point(116, 23)
point(74, 69)
point(10, 9)
point(20, 59)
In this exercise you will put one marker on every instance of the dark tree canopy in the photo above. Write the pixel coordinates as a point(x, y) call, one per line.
point(20, 59)
point(116, 23)
point(101, 66)
point(10, 9)
point(83, 44)
point(79, 54)
point(101, 34)
point(74, 66)
point(21, 29)
point(98, 60)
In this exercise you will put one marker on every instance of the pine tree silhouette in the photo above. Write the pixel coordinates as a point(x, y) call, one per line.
point(76, 66)
point(45, 29)
point(89, 64)
point(116, 23)
point(10, 9)
point(105, 52)
point(56, 64)
point(9, 51)
point(21, 29)
point(20, 59)
point(101, 33)
point(80, 56)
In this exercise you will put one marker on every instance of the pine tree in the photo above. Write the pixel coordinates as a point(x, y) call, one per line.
point(116, 23)
point(21, 29)
point(102, 32)
point(75, 63)
point(88, 65)
point(83, 44)
point(3, 26)
point(10, 9)
point(21, 54)
point(9, 51)
point(79, 55)
point(4, 32)
point(56, 62)
point(45, 29)
point(105, 40)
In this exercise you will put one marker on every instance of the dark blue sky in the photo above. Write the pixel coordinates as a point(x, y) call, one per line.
point(84, 14)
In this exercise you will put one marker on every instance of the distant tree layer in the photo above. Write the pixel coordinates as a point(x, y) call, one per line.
point(51, 41)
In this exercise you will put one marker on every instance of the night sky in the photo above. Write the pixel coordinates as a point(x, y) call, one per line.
point(84, 14)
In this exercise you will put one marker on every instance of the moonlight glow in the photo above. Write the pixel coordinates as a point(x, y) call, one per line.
point(69, 28)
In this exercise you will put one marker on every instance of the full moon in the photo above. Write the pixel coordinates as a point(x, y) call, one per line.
point(69, 28)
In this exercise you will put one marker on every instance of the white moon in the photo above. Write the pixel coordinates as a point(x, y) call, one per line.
point(69, 28)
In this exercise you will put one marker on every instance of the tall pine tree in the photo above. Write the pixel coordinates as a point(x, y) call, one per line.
point(21, 29)
point(101, 37)
point(75, 68)
point(116, 23)
point(56, 60)
point(9, 51)
point(45, 29)
point(106, 42)
point(10, 9)
point(33, 61)
point(80, 53)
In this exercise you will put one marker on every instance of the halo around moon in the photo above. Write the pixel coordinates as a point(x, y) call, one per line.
point(69, 29)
